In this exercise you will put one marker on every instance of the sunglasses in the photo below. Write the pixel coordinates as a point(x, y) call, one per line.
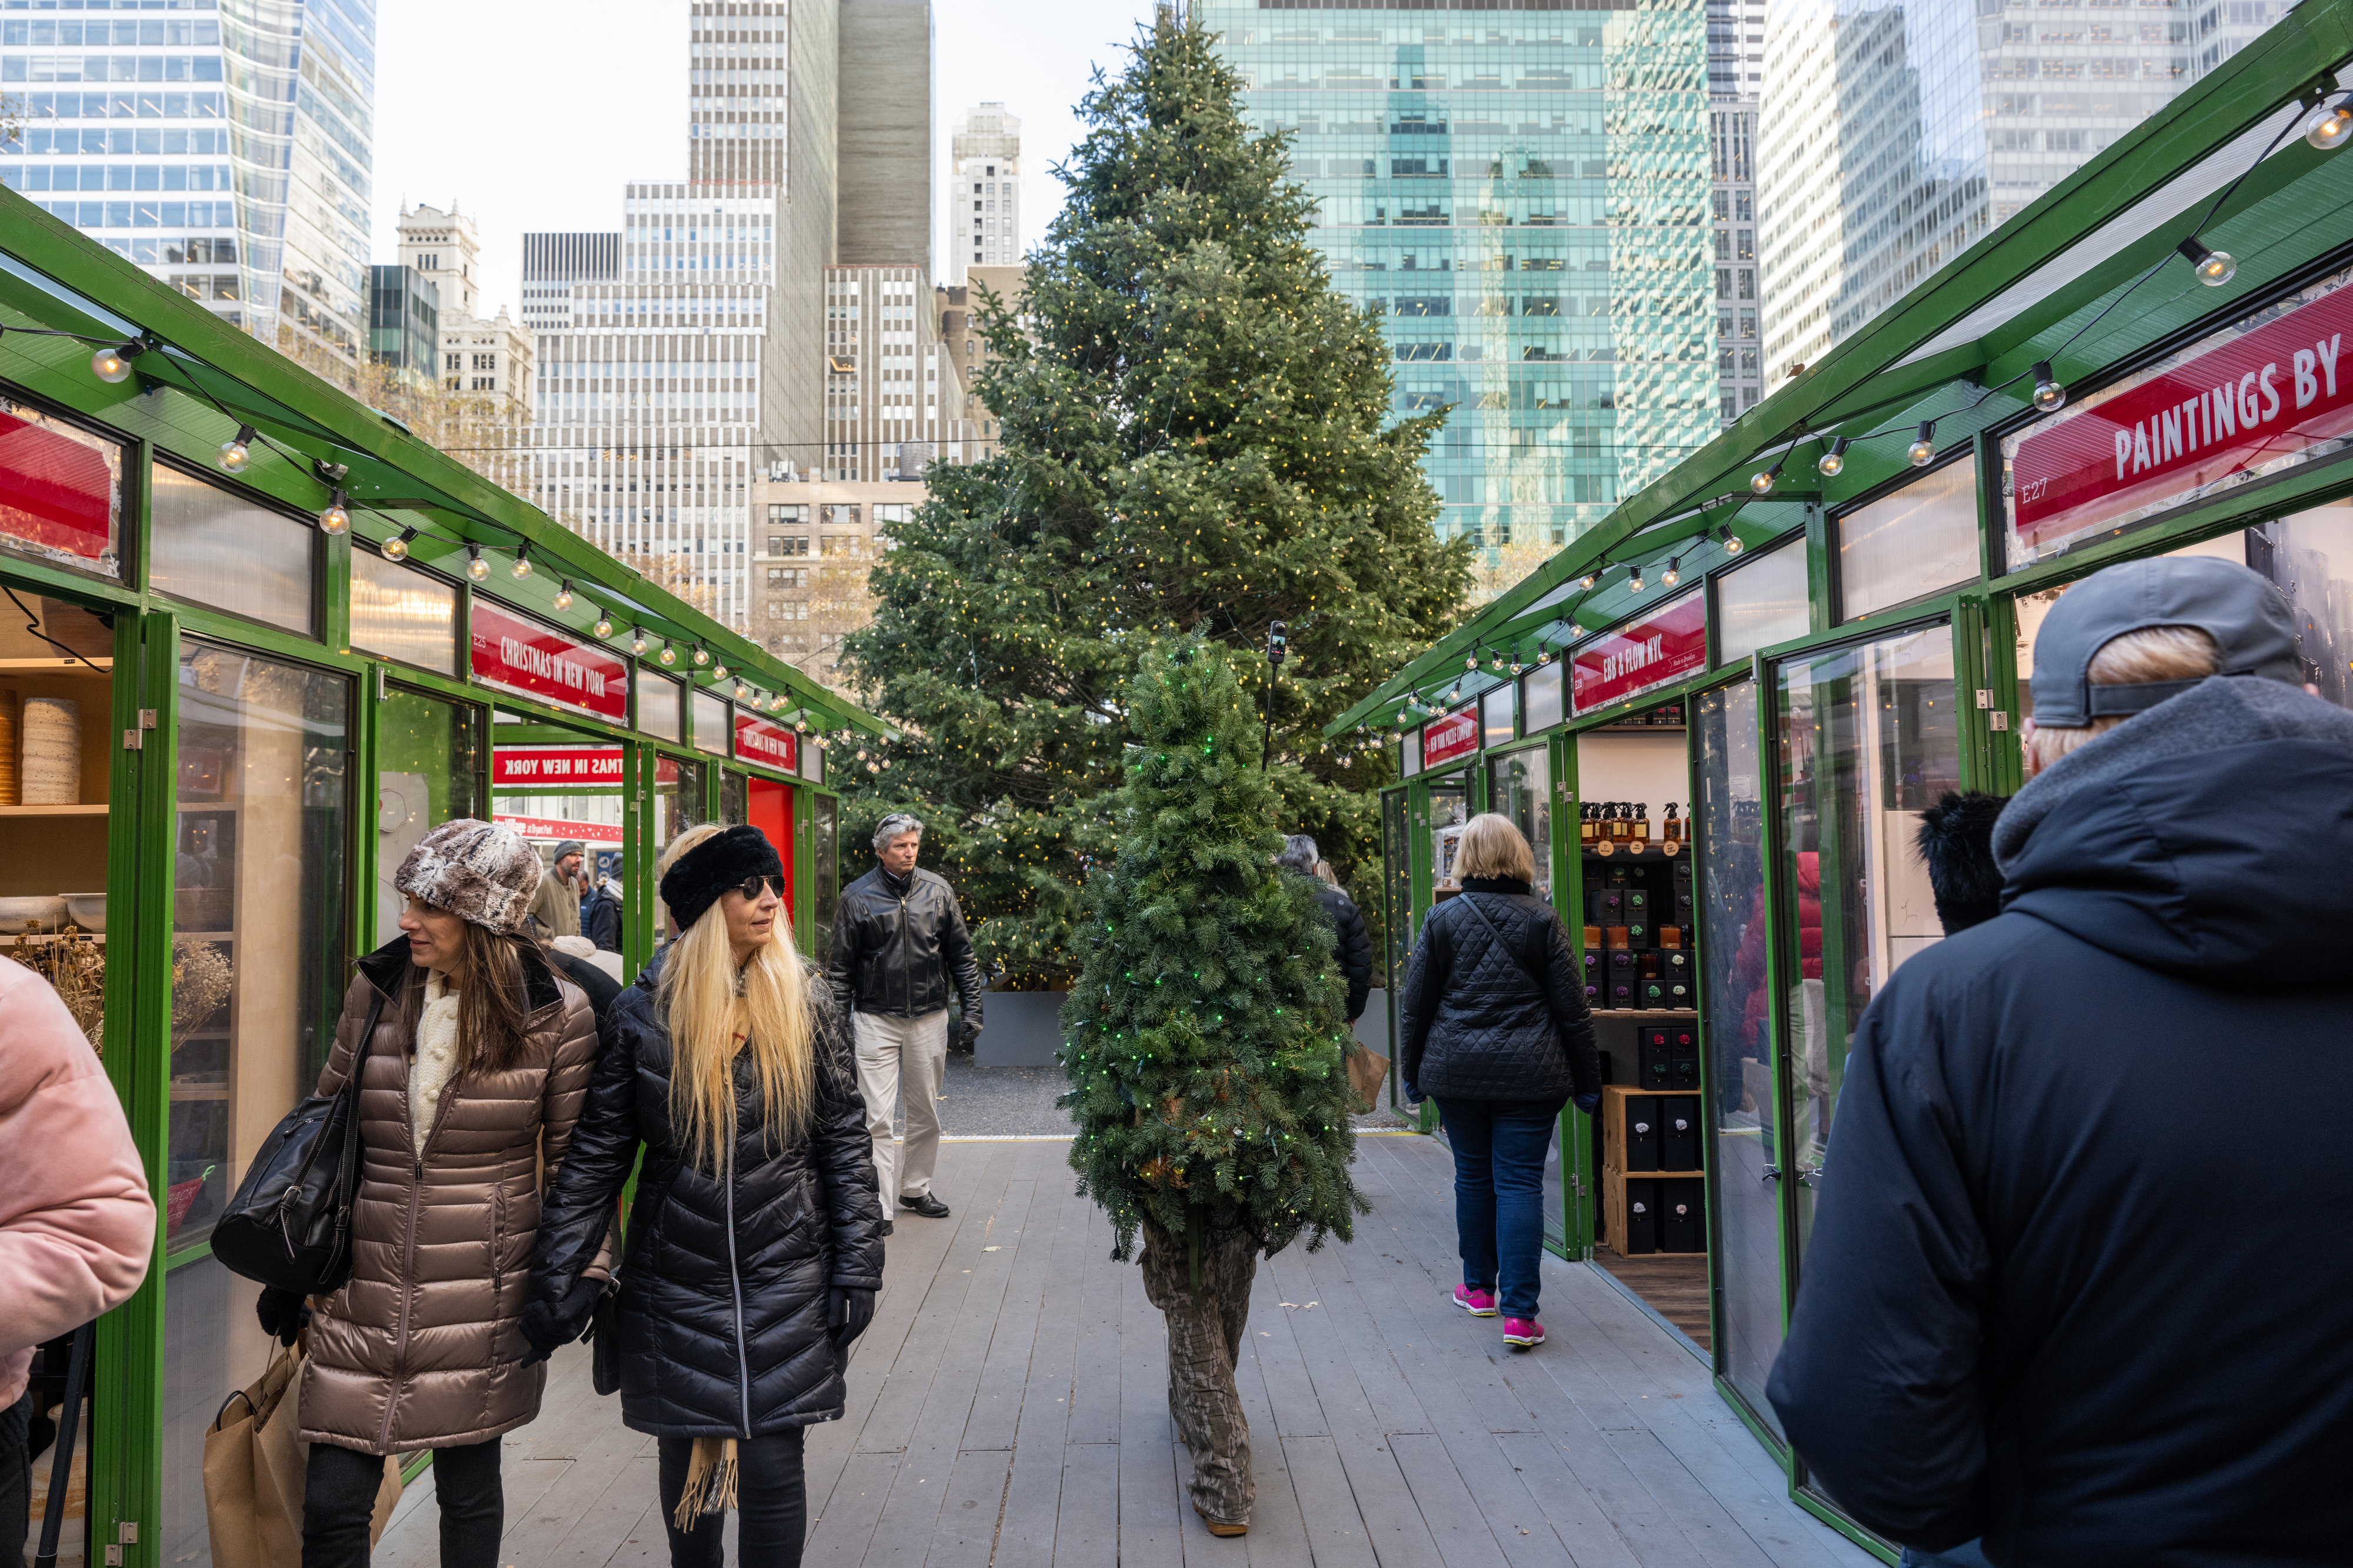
point(749, 887)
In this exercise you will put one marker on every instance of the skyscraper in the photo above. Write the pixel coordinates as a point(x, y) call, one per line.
point(1892, 137)
point(1735, 44)
point(232, 161)
point(883, 139)
point(1523, 194)
point(983, 203)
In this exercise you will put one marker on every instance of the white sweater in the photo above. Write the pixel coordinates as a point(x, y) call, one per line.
point(437, 1055)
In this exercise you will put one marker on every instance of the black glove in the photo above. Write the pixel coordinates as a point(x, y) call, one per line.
point(549, 1326)
point(971, 1032)
point(282, 1313)
point(847, 1314)
point(1587, 1103)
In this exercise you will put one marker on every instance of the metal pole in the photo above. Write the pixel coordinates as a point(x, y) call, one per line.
point(53, 1517)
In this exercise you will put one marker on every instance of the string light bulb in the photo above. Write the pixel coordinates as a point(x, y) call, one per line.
point(564, 595)
point(335, 519)
point(1587, 581)
point(1634, 583)
point(742, 692)
point(234, 452)
point(1544, 657)
point(476, 567)
point(1923, 450)
point(702, 656)
point(2211, 267)
point(2048, 393)
point(668, 655)
point(2330, 126)
point(604, 627)
point(1832, 463)
point(1472, 663)
point(1732, 545)
point(521, 567)
point(396, 547)
point(719, 672)
point(111, 364)
point(1674, 571)
point(636, 639)
point(1762, 481)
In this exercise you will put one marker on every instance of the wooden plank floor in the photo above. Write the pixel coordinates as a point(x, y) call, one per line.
point(1010, 1407)
point(1674, 1285)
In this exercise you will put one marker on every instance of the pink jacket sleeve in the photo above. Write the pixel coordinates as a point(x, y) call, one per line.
point(76, 1223)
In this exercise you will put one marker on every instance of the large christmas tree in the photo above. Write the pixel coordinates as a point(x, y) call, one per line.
point(1203, 1038)
point(1194, 440)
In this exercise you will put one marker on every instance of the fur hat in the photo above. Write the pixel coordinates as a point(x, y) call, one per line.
point(481, 872)
point(1956, 842)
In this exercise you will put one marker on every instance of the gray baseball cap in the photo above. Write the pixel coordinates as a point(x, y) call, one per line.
point(2247, 617)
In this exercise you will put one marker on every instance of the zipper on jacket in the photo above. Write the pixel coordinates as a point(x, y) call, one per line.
point(906, 976)
point(408, 1237)
point(735, 1284)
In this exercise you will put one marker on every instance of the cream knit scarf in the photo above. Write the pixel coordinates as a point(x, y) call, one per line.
point(437, 1054)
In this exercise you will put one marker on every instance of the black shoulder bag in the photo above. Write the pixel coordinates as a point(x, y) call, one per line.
point(1509, 952)
point(290, 1224)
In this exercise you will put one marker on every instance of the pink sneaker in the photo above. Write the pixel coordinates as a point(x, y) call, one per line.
point(1525, 1334)
point(1478, 1303)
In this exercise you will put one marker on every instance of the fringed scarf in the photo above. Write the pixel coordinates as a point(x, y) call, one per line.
point(710, 1482)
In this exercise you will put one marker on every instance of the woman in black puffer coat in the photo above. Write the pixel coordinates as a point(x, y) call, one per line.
point(1493, 1023)
point(755, 1245)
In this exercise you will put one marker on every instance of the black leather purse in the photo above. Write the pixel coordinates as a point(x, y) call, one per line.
point(604, 1331)
point(290, 1224)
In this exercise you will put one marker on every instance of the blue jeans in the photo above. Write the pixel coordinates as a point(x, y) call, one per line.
point(1499, 1160)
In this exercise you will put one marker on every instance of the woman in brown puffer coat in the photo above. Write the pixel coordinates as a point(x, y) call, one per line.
point(470, 1082)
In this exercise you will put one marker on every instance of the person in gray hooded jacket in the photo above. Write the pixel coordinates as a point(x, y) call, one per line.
point(2069, 1286)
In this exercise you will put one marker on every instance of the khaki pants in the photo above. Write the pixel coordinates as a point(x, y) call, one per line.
point(906, 1056)
point(1204, 1343)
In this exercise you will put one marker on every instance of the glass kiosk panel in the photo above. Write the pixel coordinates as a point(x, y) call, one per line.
point(1867, 741)
point(1734, 928)
point(1519, 787)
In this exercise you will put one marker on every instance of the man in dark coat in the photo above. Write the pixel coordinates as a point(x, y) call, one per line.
point(899, 945)
point(2072, 1283)
point(1355, 948)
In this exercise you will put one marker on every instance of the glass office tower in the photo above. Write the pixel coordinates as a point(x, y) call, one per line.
point(232, 161)
point(1524, 194)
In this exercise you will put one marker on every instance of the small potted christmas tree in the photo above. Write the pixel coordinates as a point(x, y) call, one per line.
point(1203, 1041)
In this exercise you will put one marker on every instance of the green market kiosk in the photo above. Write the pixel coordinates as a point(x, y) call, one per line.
point(256, 640)
point(1805, 633)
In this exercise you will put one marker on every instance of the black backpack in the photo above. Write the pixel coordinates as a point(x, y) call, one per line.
point(290, 1224)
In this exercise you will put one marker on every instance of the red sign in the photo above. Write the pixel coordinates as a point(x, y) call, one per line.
point(554, 829)
point(770, 745)
point(57, 492)
point(1456, 735)
point(2264, 394)
point(598, 765)
point(539, 661)
point(1666, 644)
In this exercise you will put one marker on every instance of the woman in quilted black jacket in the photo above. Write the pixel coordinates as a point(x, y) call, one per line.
point(1492, 1023)
point(754, 1246)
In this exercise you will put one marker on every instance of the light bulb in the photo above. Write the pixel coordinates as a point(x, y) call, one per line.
point(1832, 463)
point(1762, 481)
point(564, 595)
point(2048, 393)
point(873, 767)
point(1495, 663)
point(2330, 126)
point(719, 672)
point(1674, 571)
point(2211, 267)
point(668, 655)
point(112, 364)
point(1471, 663)
point(1923, 451)
point(396, 547)
point(1635, 582)
point(521, 567)
point(234, 452)
point(800, 726)
point(742, 692)
point(476, 567)
point(604, 627)
point(1732, 545)
point(336, 519)
point(1545, 658)
point(701, 655)
point(1518, 668)
point(1587, 581)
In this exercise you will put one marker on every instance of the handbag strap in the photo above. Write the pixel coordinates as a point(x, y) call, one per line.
point(349, 1165)
point(1509, 952)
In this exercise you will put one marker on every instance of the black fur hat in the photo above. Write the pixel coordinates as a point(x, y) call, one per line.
point(1957, 841)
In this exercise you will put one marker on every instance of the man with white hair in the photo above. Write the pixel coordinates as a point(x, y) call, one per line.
point(899, 940)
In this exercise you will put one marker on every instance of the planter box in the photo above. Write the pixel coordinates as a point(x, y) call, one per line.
point(1024, 1029)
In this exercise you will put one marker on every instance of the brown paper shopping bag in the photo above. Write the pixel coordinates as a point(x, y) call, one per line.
point(255, 1468)
point(1367, 1070)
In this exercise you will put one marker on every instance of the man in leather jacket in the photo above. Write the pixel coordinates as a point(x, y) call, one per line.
point(899, 940)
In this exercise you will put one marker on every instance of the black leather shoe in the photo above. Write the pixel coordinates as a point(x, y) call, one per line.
point(927, 1206)
point(886, 1227)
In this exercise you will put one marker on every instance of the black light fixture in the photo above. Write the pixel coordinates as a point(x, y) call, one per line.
point(1674, 571)
point(476, 567)
point(2048, 393)
point(234, 452)
point(564, 595)
point(112, 364)
point(1762, 483)
point(396, 547)
point(1832, 463)
point(636, 639)
point(1923, 450)
point(2330, 126)
point(604, 627)
point(521, 567)
point(335, 519)
point(1732, 545)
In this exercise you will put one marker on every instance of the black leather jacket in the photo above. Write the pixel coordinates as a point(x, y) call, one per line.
point(894, 955)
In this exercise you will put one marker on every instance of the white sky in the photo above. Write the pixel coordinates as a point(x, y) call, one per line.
point(531, 114)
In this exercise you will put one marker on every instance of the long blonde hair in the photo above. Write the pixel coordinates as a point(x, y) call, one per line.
point(710, 1020)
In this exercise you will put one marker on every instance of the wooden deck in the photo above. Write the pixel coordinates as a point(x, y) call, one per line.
point(1009, 1408)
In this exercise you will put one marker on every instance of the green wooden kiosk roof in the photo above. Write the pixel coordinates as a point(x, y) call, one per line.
point(2052, 284)
point(200, 378)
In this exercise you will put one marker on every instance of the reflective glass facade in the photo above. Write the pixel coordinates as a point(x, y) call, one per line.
point(1523, 194)
point(1893, 138)
point(229, 157)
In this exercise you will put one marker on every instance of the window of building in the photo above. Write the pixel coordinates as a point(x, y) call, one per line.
point(213, 546)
